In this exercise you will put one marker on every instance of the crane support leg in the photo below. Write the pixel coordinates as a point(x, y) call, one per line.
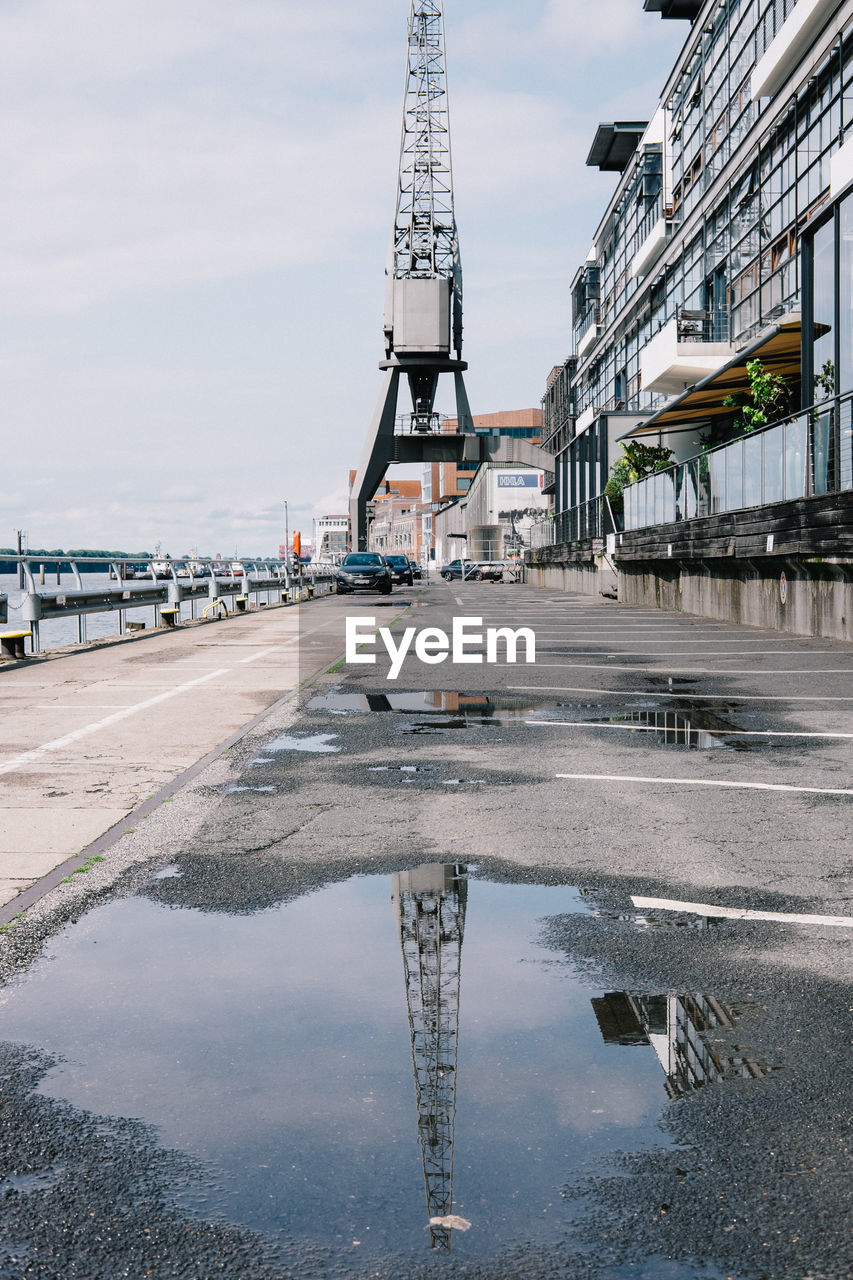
point(378, 451)
point(463, 409)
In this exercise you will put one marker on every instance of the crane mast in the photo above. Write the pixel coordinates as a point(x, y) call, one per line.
point(430, 907)
point(423, 298)
point(425, 244)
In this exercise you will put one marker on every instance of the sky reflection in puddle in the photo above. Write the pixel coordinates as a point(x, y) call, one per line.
point(333, 1056)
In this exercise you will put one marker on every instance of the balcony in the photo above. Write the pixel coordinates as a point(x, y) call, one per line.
point(682, 353)
point(587, 333)
point(650, 248)
point(784, 52)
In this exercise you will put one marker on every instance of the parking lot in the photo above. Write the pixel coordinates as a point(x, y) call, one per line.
point(639, 847)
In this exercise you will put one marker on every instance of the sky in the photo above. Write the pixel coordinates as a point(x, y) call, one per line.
point(194, 219)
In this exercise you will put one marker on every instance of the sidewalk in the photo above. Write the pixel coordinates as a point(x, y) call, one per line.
point(91, 734)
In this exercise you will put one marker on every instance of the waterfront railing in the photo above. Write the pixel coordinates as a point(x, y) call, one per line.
point(208, 586)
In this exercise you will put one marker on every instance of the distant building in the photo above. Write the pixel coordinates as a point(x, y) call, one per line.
point(396, 518)
point(444, 482)
point(331, 537)
point(448, 480)
point(494, 519)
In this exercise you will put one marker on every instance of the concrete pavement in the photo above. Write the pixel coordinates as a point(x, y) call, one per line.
point(675, 792)
point(90, 734)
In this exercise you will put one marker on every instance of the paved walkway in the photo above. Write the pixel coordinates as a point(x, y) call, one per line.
point(89, 735)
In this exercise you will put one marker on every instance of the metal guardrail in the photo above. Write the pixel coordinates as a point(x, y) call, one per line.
point(176, 581)
point(590, 520)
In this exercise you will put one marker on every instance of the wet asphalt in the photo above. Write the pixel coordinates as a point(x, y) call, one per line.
point(583, 769)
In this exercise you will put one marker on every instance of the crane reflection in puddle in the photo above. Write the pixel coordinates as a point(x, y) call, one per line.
point(429, 903)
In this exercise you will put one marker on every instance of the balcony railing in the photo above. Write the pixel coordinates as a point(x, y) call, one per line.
point(586, 321)
point(590, 520)
point(808, 454)
point(701, 326)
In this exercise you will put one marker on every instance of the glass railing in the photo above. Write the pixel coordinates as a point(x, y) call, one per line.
point(807, 454)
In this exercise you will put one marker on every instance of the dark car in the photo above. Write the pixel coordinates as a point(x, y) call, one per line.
point(456, 569)
point(401, 570)
point(417, 572)
point(363, 571)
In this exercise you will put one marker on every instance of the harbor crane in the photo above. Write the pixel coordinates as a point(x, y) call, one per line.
point(423, 303)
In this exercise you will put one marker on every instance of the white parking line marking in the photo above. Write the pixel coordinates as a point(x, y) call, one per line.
point(738, 913)
point(58, 744)
point(703, 782)
point(701, 671)
point(254, 656)
point(736, 696)
point(723, 733)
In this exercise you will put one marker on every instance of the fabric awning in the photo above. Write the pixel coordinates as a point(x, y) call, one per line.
point(778, 349)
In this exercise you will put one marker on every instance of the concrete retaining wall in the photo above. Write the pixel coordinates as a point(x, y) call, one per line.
point(814, 599)
point(728, 566)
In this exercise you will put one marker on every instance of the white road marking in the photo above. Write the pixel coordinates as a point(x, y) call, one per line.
point(723, 733)
point(703, 782)
point(701, 671)
point(739, 913)
point(91, 706)
point(736, 696)
point(253, 657)
point(58, 744)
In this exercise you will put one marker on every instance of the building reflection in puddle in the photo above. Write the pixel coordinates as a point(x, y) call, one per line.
point(678, 1028)
point(429, 903)
point(693, 730)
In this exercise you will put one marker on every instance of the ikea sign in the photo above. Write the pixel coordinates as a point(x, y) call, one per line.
point(519, 479)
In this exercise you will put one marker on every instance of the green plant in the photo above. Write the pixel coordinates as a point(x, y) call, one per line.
point(637, 461)
point(83, 868)
point(825, 380)
point(768, 398)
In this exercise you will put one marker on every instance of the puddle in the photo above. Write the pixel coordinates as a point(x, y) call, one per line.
point(461, 708)
point(440, 726)
point(374, 1067)
point(317, 742)
point(698, 730)
point(26, 1184)
point(685, 725)
point(168, 873)
point(230, 791)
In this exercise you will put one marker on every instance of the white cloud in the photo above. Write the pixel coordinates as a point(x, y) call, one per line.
point(196, 201)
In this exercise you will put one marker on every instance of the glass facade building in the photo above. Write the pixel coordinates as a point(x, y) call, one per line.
point(729, 234)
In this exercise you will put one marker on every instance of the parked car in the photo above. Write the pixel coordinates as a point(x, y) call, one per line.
point(417, 572)
point(363, 571)
point(458, 569)
point(490, 571)
point(401, 570)
point(474, 570)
